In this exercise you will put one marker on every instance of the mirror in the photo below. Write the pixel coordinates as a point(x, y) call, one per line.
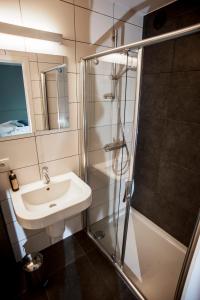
point(33, 93)
point(54, 92)
point(13, 112)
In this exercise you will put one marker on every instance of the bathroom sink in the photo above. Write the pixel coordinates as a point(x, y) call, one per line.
point(39, 205)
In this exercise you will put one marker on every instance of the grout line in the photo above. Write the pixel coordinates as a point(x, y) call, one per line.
point(103, 14)
point(61, 158)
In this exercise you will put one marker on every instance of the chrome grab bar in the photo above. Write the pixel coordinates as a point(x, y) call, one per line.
point(114, 146)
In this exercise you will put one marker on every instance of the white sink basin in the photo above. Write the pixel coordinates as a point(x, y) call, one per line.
point(38, 205)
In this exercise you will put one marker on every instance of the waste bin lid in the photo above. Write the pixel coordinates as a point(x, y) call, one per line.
point(32, 261)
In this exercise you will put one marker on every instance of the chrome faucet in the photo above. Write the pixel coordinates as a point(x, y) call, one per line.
point(45, 175)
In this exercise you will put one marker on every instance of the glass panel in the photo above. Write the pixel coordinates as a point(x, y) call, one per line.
point(111, 82)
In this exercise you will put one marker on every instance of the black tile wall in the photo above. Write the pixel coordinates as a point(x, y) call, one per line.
point(167, 171)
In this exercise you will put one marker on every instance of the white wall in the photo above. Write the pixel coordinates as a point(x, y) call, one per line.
point(86, 27)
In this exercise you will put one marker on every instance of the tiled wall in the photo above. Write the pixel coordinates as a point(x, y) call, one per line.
point(86, 27)
point(168, 157)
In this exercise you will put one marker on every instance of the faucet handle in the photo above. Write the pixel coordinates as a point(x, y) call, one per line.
point(45, 168)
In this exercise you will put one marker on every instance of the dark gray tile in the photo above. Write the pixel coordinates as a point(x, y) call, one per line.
point(183, 97)
point(147, 202)
point(158, 58)
point(154, 92)
point(159, 22)
point(150, 134)
point(186, 53)
point(78, 280)
point(84, 241)
point(61, 254)
point(111, 278)
point(39, 294)
point(176, 15)
point(181, 145)
point(179, 191)
point(149, 145)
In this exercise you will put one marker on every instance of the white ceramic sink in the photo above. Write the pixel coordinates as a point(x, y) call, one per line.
point(39, 205)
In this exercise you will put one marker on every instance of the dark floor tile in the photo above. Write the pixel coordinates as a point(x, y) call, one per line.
point(110, 276)
point(60, 255)
point(38, 294)
point(78, 281)
point(84, 241)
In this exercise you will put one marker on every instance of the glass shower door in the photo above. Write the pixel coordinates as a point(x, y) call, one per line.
point(111, 91)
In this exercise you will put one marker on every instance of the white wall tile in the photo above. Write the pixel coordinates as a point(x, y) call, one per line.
point(100, 157)
point(52, 88)
point(38, 106)
point(52, 15)
point(36, 89)
point(49, 59)
point(34, 71)
point(10, 12)
point(20, 154)
point(97, 28)
point(100, 113)
point(132, 33)
point(73, 116)
point(39, 122)
point(28, 174)
point(71, 87)
point(98, 137)
point(61, 166)
point(103, 6)
point(55, 146)
point(69, 55)
point(43, 66)
point(130, 11)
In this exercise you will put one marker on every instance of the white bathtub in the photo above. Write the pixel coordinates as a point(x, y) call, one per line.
point(153, 259)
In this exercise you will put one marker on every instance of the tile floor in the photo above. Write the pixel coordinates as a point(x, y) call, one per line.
point(75, 270)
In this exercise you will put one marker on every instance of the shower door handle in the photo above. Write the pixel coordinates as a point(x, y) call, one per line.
point(129, 189)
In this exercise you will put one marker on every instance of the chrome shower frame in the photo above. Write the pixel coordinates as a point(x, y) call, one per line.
point(84, 146)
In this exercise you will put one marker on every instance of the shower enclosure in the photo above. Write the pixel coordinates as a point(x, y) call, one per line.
point(145, 254)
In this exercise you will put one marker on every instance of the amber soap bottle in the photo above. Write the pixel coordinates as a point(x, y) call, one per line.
point(13, 181)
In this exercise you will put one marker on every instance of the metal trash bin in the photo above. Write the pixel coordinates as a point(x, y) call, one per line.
point(32, 265)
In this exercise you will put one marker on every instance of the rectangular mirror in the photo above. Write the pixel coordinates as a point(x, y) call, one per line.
point(54, 95)
point(13, 108)
point(33, 93)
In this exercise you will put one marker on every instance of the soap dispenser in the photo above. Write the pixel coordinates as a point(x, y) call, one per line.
point(13, 181)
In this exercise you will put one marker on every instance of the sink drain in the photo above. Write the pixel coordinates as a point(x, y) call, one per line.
point(52, 205)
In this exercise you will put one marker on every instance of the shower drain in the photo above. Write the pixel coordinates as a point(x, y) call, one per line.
point(99, 235)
